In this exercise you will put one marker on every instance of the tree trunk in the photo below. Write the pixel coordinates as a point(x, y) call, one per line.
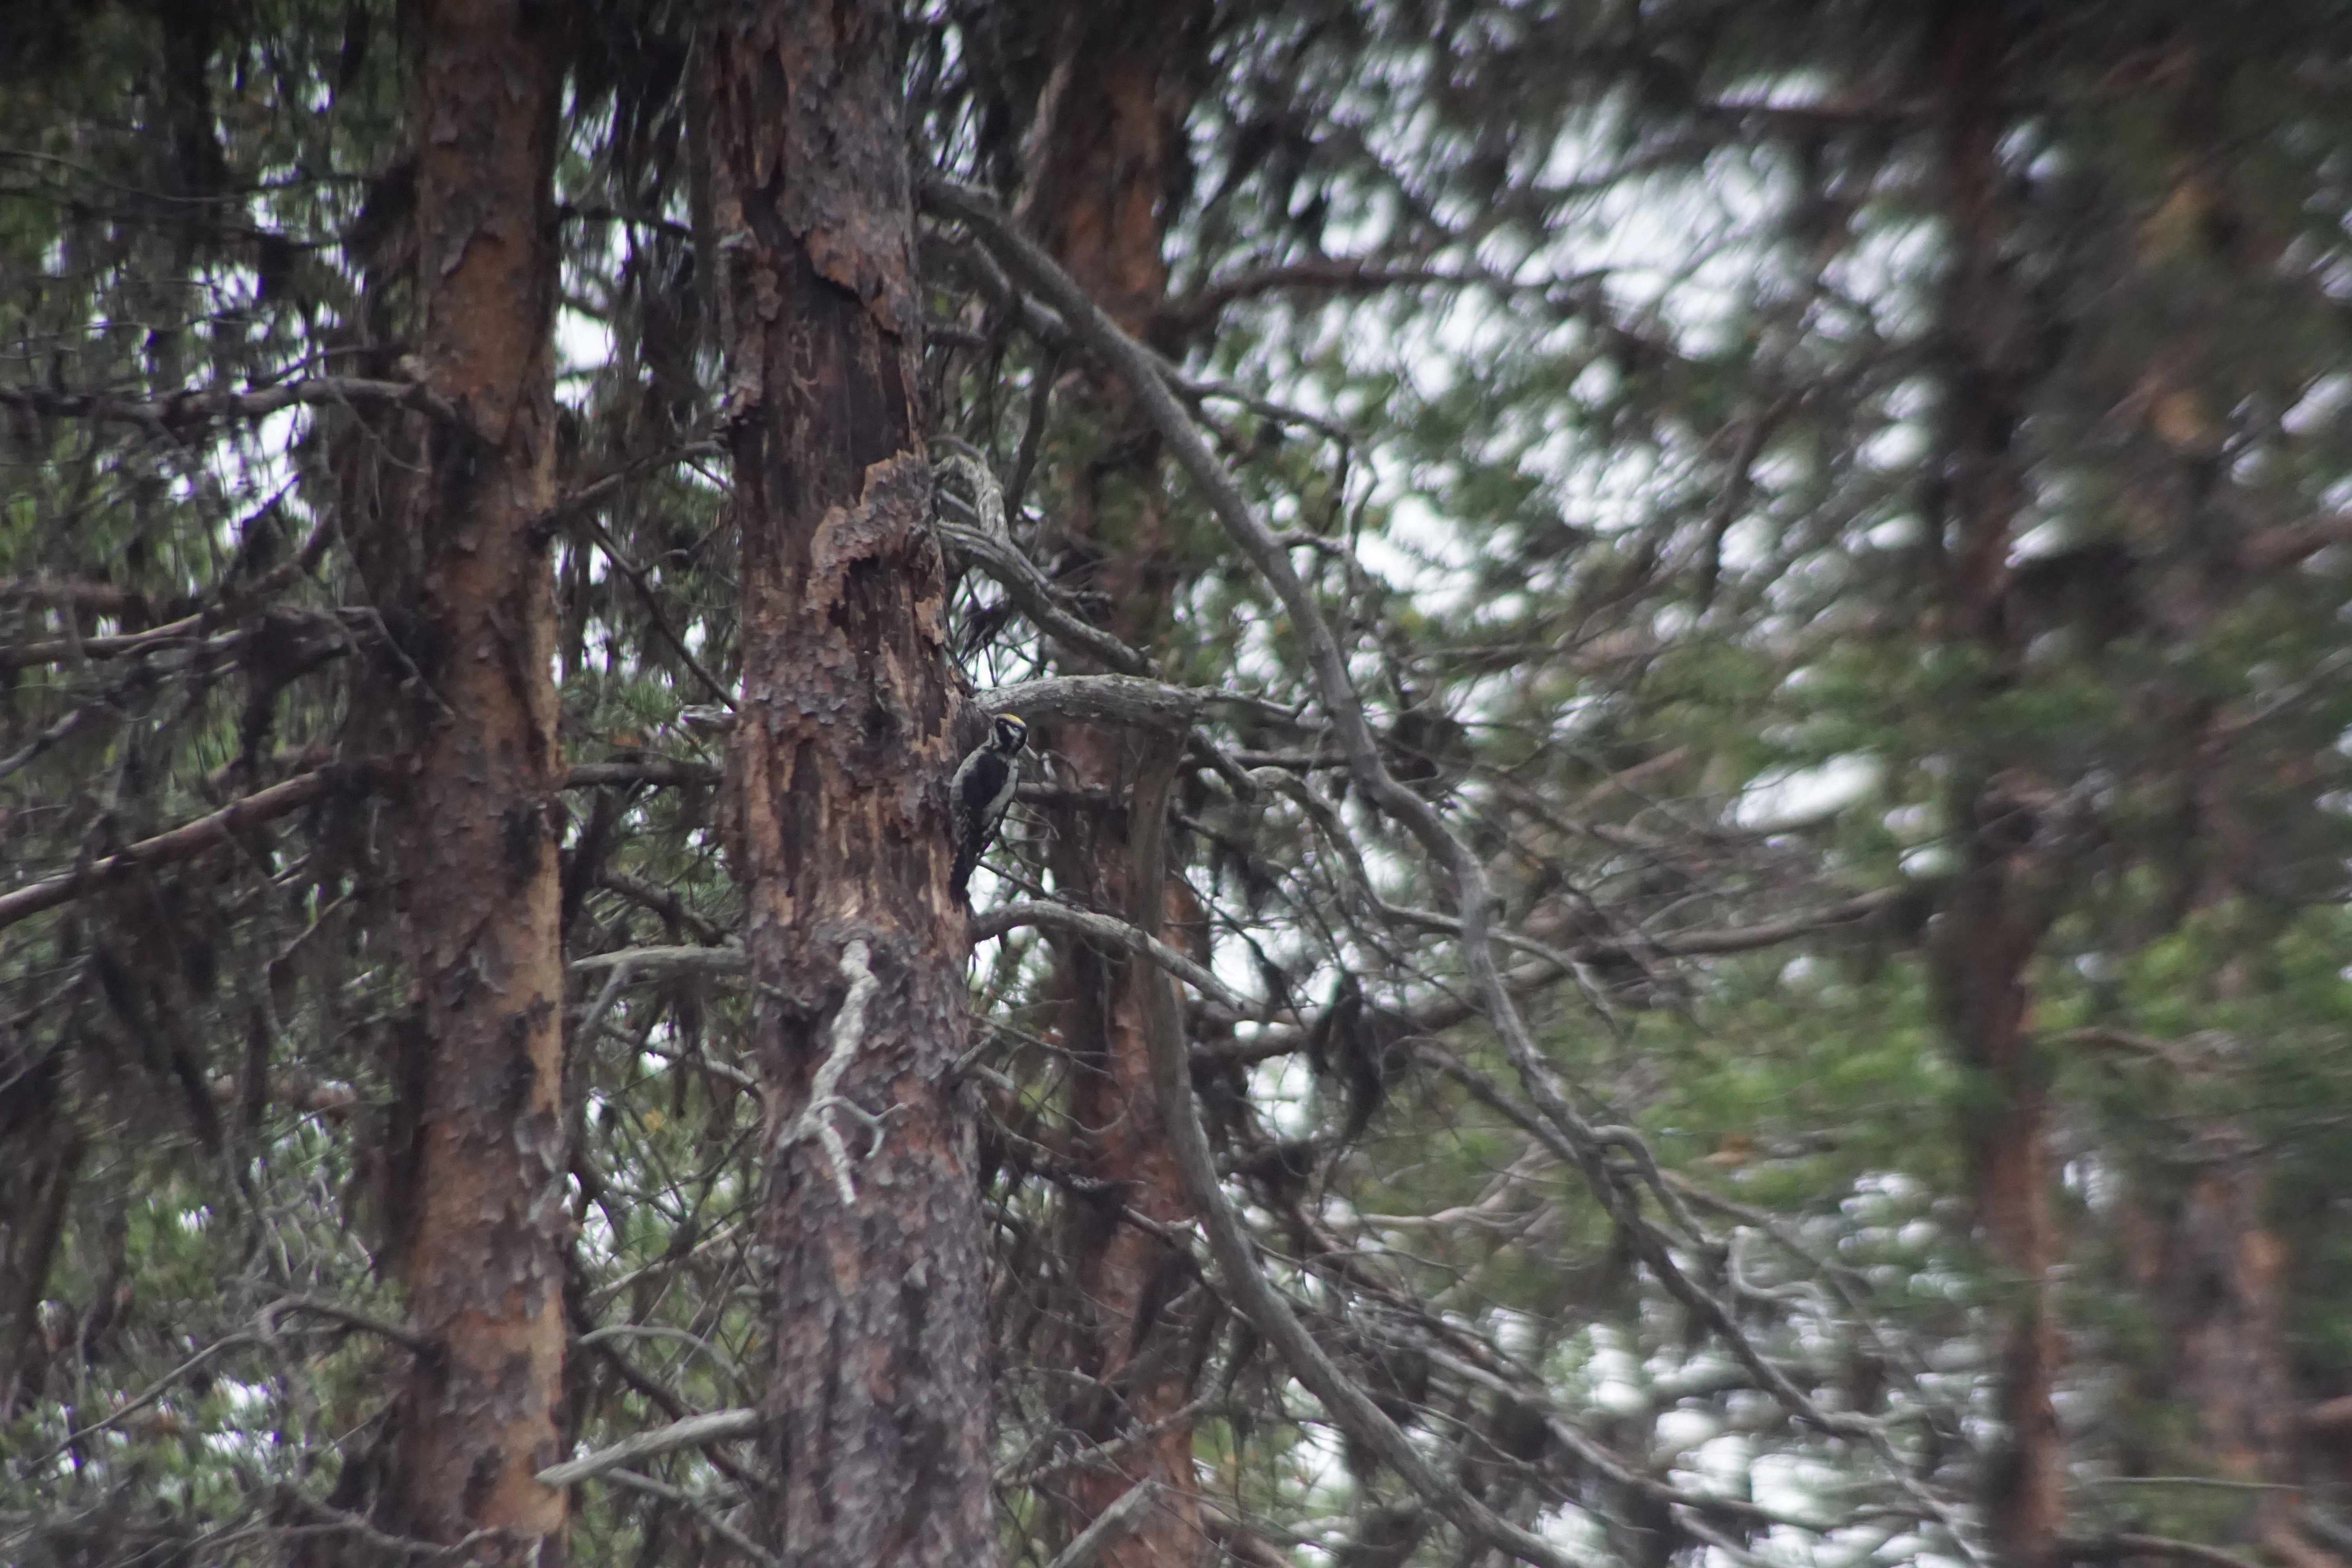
point(1985, 939)
point(2219, 1302)
point(475, 830)
point(877, 1392)
point(1109, 151)
point(1993, 919)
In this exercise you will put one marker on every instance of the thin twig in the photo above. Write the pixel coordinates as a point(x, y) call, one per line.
point(1103, 928)
point(636, 576)
point(652, 961)
point(693, 1431)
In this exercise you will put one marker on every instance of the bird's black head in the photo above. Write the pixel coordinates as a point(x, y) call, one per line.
point(1009, 733)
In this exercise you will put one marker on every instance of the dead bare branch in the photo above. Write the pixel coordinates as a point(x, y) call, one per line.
point(185, 841)
point(182, 409)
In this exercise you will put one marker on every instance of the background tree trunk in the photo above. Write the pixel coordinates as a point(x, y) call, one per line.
point(1109, 160)
point(476, 829)
point(877, 1393)
point(1993, 917)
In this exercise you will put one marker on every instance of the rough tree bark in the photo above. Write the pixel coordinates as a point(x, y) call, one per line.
point(1108, 152)
point(877, 1392)
point(468, 593)
point(1992, 920)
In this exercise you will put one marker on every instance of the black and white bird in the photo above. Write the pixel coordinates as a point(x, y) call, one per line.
point(982, 790)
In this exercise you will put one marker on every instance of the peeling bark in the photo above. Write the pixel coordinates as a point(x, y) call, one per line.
point(474, 826)
point(877, 1404)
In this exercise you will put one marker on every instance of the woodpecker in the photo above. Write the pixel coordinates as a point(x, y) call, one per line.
point(983, 788)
